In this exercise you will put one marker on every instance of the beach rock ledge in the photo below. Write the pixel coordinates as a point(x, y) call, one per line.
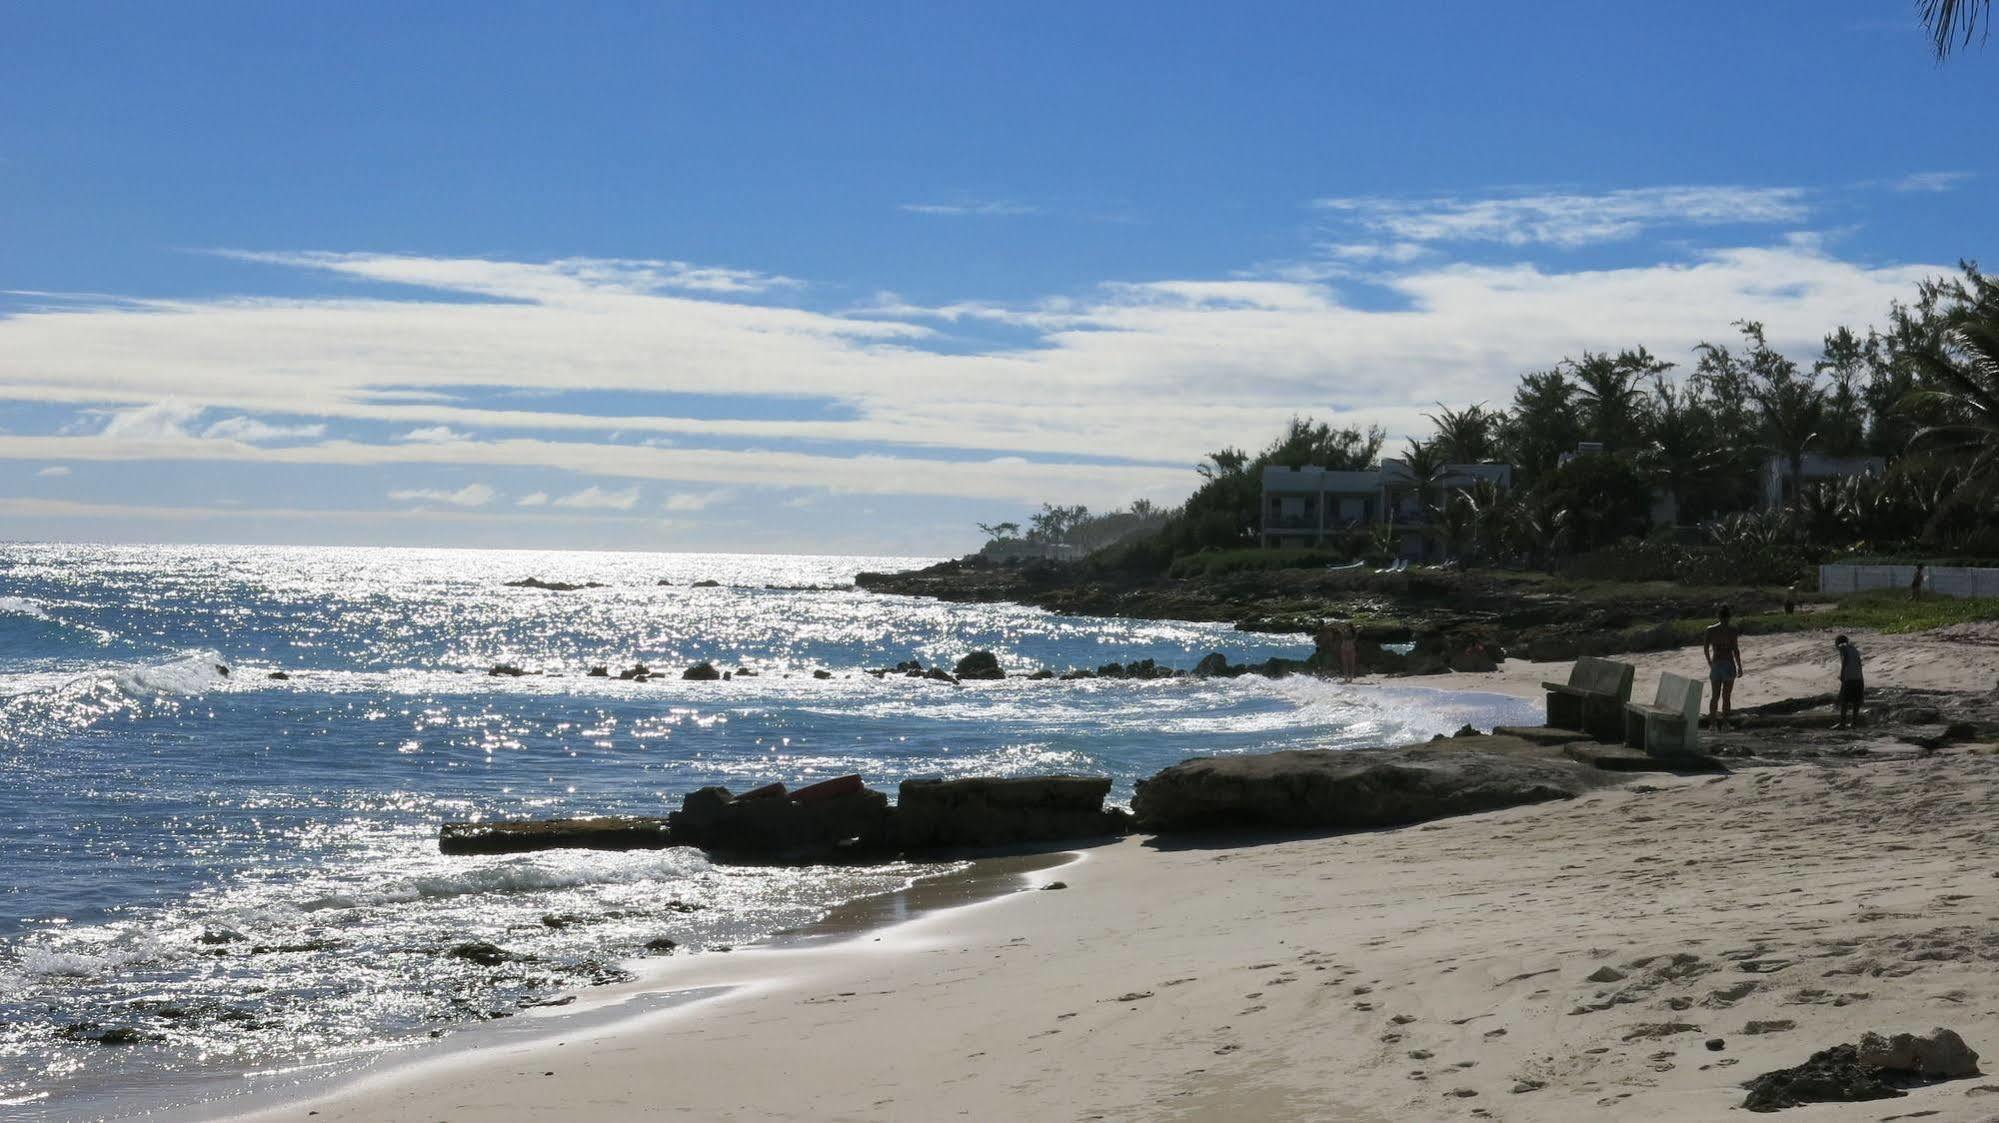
point(1353, 789)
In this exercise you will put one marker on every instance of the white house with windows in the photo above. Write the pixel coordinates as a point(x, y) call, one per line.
point(1310, 506)
point(1778, 485)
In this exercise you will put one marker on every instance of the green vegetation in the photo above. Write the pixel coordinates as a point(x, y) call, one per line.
point(1214, 563)
point(1880, 610)
point(1921, 394)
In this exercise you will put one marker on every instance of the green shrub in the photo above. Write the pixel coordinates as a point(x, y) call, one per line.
point(1214, 563)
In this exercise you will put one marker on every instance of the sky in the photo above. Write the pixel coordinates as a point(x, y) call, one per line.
point(858, 277)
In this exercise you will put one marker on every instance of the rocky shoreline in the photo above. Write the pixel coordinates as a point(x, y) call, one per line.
point(1438, 615)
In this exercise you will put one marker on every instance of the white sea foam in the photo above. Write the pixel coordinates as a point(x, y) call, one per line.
point(22, 606)
point(520, 875)
point(194, 673)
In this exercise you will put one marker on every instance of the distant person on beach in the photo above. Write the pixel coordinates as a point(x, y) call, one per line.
point(1852, 683)
point(1349, 652)
point(1723, 647)
point(1790, 600)
point(1916, 584)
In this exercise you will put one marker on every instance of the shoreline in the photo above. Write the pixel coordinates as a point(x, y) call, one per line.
point(656, 991)
point(1562, 961)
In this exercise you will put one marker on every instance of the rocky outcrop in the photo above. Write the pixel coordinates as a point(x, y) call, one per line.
point(842, 820)
point(1355, 789)
point(508, 670)
point(551, 586)
point(979, 665)
point(1211, 665)
point(985, 812)
point(701, 672)
point(552, 834)
point(1879, 1068)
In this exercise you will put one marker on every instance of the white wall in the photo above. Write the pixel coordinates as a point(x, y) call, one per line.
point(1949, 581)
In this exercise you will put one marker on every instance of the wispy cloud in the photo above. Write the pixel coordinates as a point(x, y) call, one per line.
point(1567, 220)
point(1932, 181)
point(53, 471)
point(254, 431)
point(436, 434)
point(471, 495)
point(990, 208)
point(532, 499)
point(696, 500)
point(594, 498)
point(162, 421)
point(567, 277)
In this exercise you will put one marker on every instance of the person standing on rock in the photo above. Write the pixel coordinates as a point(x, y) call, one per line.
point(1349, 652)
point(1852, 683)
point(1723, 647)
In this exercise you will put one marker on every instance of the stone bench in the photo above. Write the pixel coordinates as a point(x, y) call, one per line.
point(1670, 725)
point(1593, 699)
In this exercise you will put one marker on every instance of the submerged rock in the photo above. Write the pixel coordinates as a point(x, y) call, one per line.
point(979, 665)
point(507, 670)
point(482, 952)
point(551, 586)
point(551, 834)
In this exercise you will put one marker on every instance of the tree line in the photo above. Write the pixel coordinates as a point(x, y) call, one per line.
point(1921, 393)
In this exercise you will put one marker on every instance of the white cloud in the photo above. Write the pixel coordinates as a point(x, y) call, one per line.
point(566, 278)
point(1932, 181)
point(1158, 372)
point(599, 499)
point(471, 495)
point(54, 471)
point(533, 499)
point(161, 421)
point(1569, 220)
point(254, 431)
point(696, 500)
point(992, 208)
point(436, 434)
point(1397, 253)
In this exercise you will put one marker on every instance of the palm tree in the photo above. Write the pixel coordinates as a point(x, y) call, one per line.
point(1790, 401)
point(1953, 22)
point(1465, 436)
point(1683, 453)
point(1542, 424)
point(1612, 395)
point(1959, 375)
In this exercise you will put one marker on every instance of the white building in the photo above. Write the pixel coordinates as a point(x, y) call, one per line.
point(1306, 506)
point(1776, 474)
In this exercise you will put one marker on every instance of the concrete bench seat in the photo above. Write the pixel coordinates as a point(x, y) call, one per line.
point(1593, 699)
point(1670, 724)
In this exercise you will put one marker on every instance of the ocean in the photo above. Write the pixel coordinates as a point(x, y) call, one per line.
point(207, 871)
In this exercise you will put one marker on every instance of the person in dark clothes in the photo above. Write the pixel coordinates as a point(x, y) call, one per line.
point(1916, 584)
point(1852, 683)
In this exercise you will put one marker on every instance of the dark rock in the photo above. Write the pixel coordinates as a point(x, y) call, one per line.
point(1351, 789)
point(979, 665)
point(1111, 670)
point(1832, 1075)
point(1716, 1044)
point(109, 1035)
point(1212, 665)
point(637, 671)
point(550, 834)
point(1467, 730)
point(661, 944)
point(213, 936)
point(939, 674)
point(745, 672)
point(1939, 1055)
point(839, 824)
point(701, 672)
point(550, 586)
point(599, 672)
point(1055, 885)
point(279, 675)
point(662, 582)
point(508, 670)
point(982, 812)
point(706, 584)
point(483, 953)
point(822, 674)
point(1042, 675)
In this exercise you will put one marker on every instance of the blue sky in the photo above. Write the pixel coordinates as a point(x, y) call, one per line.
point(855, 277)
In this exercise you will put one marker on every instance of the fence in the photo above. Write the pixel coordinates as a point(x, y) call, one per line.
point(1948, 580)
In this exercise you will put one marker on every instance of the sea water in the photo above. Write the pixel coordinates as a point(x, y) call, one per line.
point(207, 870)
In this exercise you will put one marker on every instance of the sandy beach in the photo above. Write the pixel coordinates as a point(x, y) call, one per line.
point(1634, 954)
